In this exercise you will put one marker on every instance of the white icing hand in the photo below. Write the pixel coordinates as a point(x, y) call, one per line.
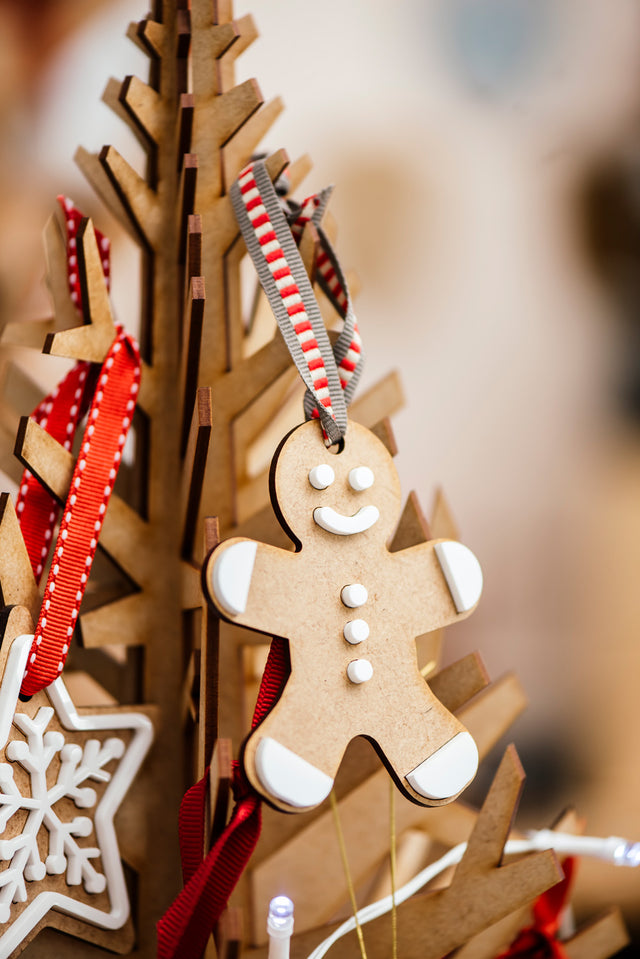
point(231, 576)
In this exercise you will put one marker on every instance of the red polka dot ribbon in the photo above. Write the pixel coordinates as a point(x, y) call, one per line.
point(73, 219)
point(109, 394)
point(61, 411)
point(96, 468)
point(58, 414)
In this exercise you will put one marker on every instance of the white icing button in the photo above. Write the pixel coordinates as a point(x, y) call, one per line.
point(356, 631)
point(360, 671)
point(360, 478)
point(354, 595)
point(321, 476)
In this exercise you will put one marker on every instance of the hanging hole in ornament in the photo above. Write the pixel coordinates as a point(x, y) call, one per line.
point(336, 448)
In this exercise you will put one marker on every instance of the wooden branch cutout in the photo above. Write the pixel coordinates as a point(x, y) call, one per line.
point(32, 333)
point(193, 477)
point(598, 939)
point(481, 891)
point(219, 792)
point(209, 667)
point(228, 934)
point(17, 581)
point(283, 860)
point(93, 340)
point(602, 937)
point(130, 541)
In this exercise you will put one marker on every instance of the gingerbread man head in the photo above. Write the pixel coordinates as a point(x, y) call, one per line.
point(354, 493)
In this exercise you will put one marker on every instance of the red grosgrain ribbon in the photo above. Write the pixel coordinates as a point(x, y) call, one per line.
point(330, 375)
point(184, 930)
point(540, 941)
point(37, 510)
point(92, 482)
point(73, 219)
point(58, 413)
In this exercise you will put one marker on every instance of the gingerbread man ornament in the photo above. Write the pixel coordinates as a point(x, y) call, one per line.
point(351, 611)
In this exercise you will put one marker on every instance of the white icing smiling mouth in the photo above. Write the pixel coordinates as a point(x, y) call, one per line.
point(341, 525)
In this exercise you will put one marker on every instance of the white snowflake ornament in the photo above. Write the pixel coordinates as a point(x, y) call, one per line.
point(63, 775)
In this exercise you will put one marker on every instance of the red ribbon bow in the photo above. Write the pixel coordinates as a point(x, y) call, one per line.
point(540, 940)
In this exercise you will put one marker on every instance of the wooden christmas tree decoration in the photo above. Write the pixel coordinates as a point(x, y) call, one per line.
point(215, 374)
point(180, 215)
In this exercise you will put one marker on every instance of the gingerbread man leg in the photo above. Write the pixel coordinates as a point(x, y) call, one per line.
point(429, 749)
point(290, 758)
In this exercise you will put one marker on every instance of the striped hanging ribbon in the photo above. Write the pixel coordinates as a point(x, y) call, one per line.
point(330, 374)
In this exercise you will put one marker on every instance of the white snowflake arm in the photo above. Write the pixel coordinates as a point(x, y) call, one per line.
point(78, 764)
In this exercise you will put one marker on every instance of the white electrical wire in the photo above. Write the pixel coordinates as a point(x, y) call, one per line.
point(613, 849)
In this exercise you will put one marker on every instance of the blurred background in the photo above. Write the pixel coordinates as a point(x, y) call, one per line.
point(486, 156)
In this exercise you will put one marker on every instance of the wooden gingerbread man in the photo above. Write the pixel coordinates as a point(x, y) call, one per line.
point(351, 611)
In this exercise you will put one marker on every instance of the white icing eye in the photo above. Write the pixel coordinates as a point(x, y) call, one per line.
point(321, 476)
point(361, 478)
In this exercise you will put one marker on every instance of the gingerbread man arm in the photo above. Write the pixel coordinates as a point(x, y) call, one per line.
point(446, 582)
point(252, 584)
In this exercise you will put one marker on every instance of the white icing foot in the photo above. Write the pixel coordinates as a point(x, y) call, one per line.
point(448, 771)
point(231, 576)
point(462, 572)
point(289, 777)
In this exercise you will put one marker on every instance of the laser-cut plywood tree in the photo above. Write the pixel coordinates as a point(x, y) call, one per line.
point(196, 141)
point(214, 376)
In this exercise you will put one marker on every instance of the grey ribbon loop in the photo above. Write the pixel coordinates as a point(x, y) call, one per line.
point(345, 339)
point(334, 421)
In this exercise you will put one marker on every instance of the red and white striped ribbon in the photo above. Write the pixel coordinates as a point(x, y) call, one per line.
point(348, 348)
point(329, 374)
